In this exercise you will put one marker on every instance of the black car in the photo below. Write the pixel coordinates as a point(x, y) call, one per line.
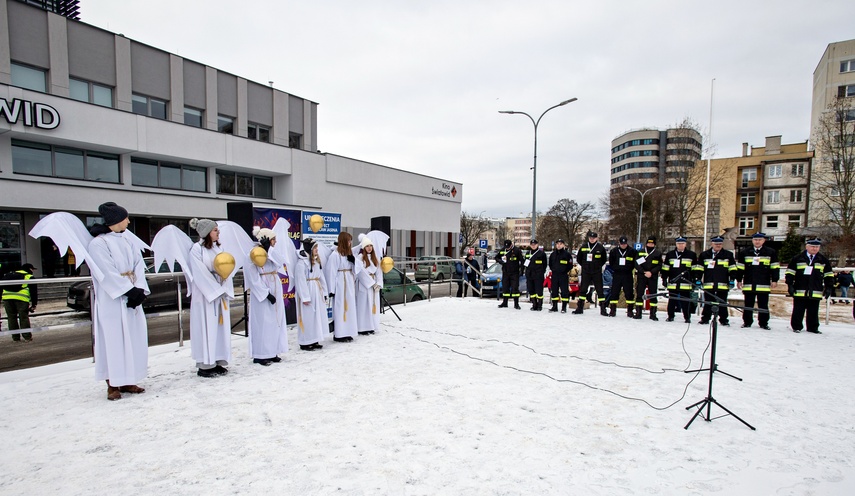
point(163, 289)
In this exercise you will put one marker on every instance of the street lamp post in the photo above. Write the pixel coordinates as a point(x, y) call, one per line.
point(641, 208)
point(534, 167)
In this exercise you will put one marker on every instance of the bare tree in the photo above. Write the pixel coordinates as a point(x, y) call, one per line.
point(471, 229)
point(565, 219)
point(833, 177)
point(502, 233)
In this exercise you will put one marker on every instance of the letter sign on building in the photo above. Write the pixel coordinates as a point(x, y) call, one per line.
point(38, 115)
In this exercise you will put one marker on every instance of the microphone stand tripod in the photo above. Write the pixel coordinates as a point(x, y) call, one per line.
point(708, 401)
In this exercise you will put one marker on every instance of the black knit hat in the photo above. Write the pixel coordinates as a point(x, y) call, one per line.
point(308, 244)
point(112, 213)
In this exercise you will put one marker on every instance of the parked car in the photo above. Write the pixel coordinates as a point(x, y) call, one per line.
point(491, 281)
point(395, 284)
point(163, 290)
point(434, 267)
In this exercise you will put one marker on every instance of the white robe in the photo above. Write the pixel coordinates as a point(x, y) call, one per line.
point(341, 280)
point(311, 287)
point(121, 334)
point(367, 298)
point(210, 340)
point(268, 328)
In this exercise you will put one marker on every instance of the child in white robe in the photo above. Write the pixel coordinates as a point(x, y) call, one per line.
point(369, 284)
point(268, 328)
point(311, 292)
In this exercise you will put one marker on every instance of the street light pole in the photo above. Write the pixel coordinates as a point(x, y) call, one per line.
point(641, 208)
point(534, 167)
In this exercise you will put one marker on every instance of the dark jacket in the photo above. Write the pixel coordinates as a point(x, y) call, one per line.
point(680, 275)
point(598, 257)
point(844, 280)
point(536, 264)
point(819, 280)
point(469, 268)
point(718, 269)
point(629, 257)
point(560, 262)
point(757, 270)
point(513, 260)
point(652, 262)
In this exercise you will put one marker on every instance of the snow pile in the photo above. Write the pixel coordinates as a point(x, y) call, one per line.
point(458, 398)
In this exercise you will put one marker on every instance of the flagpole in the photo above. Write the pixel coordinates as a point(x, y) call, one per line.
point(709, 155)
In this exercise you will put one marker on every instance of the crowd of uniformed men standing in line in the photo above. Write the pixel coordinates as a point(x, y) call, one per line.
point(755, 270)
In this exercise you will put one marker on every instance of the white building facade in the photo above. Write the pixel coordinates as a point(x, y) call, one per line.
point(88, 116)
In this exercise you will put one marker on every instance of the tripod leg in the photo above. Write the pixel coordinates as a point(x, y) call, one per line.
point(734, 415)
point(703, 403)
point(386, 303)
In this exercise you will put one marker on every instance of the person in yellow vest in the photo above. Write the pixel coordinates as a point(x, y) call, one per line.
point(20, 300)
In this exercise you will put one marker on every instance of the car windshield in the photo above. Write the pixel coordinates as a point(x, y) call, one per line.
point(494, 269)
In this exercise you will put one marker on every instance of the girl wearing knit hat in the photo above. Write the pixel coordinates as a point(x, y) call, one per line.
point(370, 282)
point(210, 337)
point(311, 292)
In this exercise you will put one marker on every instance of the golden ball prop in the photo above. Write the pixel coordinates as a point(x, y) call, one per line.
point(258, 256)
point(316, 222)
point(224, 264)
point(386, 264)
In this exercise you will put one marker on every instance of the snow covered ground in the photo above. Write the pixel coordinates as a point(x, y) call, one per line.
point(458, 398)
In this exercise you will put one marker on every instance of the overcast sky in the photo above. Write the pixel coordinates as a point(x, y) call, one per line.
point(418, 85)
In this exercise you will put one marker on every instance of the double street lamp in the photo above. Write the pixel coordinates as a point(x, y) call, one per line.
point(534, 167)
point(641, 208)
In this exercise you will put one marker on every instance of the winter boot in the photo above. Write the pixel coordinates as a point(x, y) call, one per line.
point(554, 306)
point(637, 312)
point(517, 303)
point(612, 310)
point(580, 307)
point(504, 303)
point(563, 307)
point(630, 311)
point(603, 311)
point(113, 393)
point(653, 314)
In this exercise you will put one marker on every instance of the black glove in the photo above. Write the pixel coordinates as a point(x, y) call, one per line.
point(351, 259)
point(828, 292)
point(790, 290)
point(135, 297)
point(271, 298)
point(332, 295)
point(264, 242)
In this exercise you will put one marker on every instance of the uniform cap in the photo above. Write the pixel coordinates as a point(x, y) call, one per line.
point(651, 239)
point(559, 240)
point(759, 235)
point(29, 266)
point(592, 234)
point(680, 239)
point(814, 242)
point(508, 243)
point(622, 240)
point(534, 242)
point(717, 239)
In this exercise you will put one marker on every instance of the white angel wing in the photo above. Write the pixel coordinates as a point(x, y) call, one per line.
point(324, 253)
point(171, 245)
point(236, 241)
point(67, 231)
point(135, 241)
point(285, 248)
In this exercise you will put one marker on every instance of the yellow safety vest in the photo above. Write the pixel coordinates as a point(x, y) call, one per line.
point(23, 294)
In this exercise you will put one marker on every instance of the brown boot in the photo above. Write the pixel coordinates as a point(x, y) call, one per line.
point(133, 389)
point(113, 393)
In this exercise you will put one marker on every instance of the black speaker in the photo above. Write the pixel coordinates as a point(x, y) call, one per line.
point(382, 224)
point(241, 214)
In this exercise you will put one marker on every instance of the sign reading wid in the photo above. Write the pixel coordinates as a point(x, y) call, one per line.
point(446, 190)
point(38, 115)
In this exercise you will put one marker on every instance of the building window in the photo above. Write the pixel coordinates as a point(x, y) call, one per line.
point(849, 115)
point(746, 200)
point(795, 221)
point(29, 77)
point(797, 196)
point(835, 191)
point(87, 91)
point(151, 107)
point(748, 175)
point(232, 183)
point(296, 140)
point(776, 171)
point(192, 117)
point(772, 222)
point(746, 226)
point(155, 174)
point(45, 160)
point(797, 170)
point(773, 196)
point(258, 132)
point(847, 66)
point(225, 124)
point(847, 90)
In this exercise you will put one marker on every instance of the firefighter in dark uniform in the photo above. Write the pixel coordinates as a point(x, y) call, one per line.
point(810, 277)
point(591, 256)
point(758, 271)
point(719, 273)
point(511, 259)
point(622, 261)
point(647, 268)
point(560, 263)
point(679, 273)
point(535, 270)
